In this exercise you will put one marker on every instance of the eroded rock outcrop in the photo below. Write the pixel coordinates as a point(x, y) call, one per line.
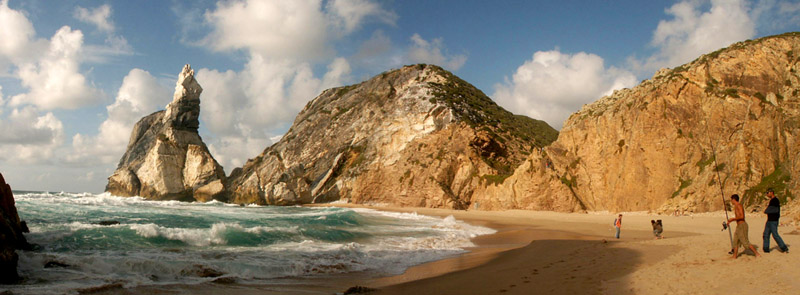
point(417, 136)
point(11, 235)
point(166, 159)
point(652, 147)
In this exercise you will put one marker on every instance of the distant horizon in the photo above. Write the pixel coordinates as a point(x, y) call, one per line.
point(75, 76)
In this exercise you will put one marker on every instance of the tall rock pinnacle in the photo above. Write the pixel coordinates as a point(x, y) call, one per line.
point(183, 112)
point(166, 158)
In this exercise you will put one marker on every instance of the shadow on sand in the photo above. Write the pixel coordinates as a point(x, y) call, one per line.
point(542, 267)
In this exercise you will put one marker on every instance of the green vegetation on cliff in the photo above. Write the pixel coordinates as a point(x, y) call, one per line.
point(477, 110)
point(776, 180)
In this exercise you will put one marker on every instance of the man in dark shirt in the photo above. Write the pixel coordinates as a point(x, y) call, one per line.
point(773, 212)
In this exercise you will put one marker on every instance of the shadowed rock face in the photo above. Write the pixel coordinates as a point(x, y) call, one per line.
point(166, 159)
point(417, 136)
point(652, 147)
point(11, 237)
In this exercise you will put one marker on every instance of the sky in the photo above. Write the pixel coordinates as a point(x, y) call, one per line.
point(75, 76)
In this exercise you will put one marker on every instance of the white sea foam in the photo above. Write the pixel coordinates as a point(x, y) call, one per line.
point(252, 244)
point(202, 236)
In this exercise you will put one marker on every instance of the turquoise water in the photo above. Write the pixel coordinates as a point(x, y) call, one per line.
point(168, 242)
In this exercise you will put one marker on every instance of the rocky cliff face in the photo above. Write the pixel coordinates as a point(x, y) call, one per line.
point(166, 159)
point(417, 136)
point(653, 147)
point(11, 237)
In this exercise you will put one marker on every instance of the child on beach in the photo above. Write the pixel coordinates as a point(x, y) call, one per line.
point(658, 228)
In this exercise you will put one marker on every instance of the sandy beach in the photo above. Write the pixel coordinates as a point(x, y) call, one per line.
point(567, 253)
point(572, 253)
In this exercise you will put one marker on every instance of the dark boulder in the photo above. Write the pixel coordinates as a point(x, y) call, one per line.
point(108, 222)
point(11, 238)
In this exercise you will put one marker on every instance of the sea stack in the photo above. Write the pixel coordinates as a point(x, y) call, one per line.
point(416, 136)
point(11, 238)
point(166, 159)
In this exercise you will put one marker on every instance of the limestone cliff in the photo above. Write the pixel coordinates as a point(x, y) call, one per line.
point(11, 237)
point(652, 147)
point(417, 136)
point(166, 159)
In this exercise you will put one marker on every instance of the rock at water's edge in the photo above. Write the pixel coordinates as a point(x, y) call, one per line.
point(11, 237)
point(166, 159)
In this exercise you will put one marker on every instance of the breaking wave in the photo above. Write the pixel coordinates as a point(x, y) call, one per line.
point(167, 242)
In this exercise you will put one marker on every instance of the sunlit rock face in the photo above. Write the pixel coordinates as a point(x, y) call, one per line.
point(416, 136)
point(166, 159)
point(653, 147)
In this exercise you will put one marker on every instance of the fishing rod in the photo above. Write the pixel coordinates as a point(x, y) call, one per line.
point(719, 177)
point(721, 185)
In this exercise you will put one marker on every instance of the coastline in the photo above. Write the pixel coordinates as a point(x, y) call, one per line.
point(557, 253)
point(560, 253)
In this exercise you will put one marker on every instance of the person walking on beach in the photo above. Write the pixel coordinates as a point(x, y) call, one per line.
point(773, 212)
point(618, 225)
point(740, 238)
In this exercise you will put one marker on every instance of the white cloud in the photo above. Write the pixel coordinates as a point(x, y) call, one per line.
point(16, 31)
point(113, 45)
point(283, 41)
point(692, 32)
point(552, 85)
point(233, 151)
point(422, 51)
point(139, 96)
point(54, 80)
point(272, 29)
point(99, 16)
point(295, 30)
point(17, 34)
point(347, 15)
point(27, 137)
point(245, 109)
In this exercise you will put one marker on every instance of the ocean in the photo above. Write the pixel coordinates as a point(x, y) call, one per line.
point(170, 242)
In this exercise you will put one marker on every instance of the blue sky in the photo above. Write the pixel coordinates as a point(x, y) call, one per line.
point(76, 75)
